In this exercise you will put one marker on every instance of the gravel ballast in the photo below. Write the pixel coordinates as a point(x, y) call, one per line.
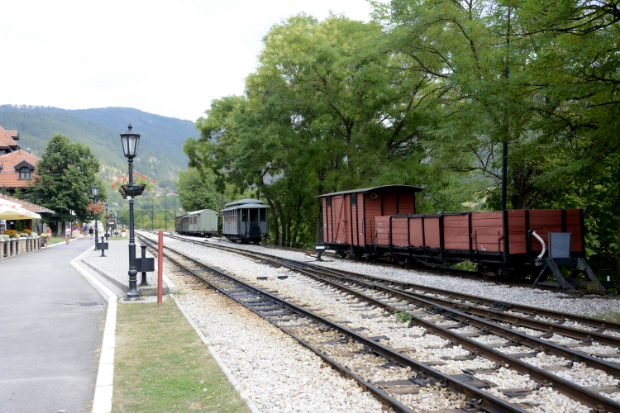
point(326, 301)
point(550, 300)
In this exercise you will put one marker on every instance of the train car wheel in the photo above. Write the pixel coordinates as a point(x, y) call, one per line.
point(358, 255)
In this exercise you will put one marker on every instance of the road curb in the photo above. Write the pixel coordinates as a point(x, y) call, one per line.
point(219, 362)
point(104, 386)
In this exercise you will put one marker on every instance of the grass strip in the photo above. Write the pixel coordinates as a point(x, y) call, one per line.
point(161, 365)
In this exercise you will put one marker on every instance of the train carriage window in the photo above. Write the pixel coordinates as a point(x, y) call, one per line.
point(253, 214)
point(263, 215)
point(354, 199)
point(329, 201)
point(244, 215)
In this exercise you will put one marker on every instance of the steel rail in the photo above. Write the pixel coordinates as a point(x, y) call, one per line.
point(584, 395)
point(533, 311)
point(491, 404)
point(600, 325)
point(569, 389)
point(499, 315)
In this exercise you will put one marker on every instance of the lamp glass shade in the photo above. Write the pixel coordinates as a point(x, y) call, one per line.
point(106, 207)
point(95, 190)
point(130, 142)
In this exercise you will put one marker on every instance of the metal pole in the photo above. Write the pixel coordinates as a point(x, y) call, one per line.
point(504, 174)
point(133, 293)
point(142, 200)
point(166, 210)
point(152, 224)
point(160, 267)
point(144, 282)
point(96, 232)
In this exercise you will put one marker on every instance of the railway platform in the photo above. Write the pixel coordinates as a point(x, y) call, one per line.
point(112, 268)
point(51, 321)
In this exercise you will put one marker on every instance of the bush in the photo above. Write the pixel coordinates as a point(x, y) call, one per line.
point(23, 234)
point(11, 233)
point(27, 231)
point(4, 237)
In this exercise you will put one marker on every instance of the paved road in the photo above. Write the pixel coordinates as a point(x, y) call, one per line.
point(48, 343)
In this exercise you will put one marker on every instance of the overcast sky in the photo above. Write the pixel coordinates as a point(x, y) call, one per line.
point(171, 58)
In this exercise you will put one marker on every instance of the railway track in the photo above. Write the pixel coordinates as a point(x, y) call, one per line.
point(480, 329)
point(365, 353)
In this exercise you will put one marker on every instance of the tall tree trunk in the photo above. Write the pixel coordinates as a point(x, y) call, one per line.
point(296, 226)
point(282, 221)
point(289, 242)
point(618, 252)
point(274, 216)
point(60, 229)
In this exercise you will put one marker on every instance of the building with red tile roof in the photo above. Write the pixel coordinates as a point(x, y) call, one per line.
point(28, 206)
point(17, 166)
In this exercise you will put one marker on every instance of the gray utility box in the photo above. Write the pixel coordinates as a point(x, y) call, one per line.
point(145, 264)
point(560, 247)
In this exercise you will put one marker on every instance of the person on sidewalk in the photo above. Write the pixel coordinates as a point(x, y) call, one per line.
point(85, 231)
point(90, 233)
point(49, 236)
point(67, 234)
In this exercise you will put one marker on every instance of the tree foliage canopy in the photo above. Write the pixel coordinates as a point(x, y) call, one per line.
point(66, 174)
point(425, 94)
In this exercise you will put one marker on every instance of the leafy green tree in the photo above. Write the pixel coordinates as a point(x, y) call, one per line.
point(198, 191)
point(65, 175)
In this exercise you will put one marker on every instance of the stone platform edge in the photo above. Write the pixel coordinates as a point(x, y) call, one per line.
point(104, 385)
point(168, 288)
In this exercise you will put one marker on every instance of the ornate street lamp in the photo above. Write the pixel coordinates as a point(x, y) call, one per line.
point(106, 220)
point(130, 141)
point(142, 200)
point(166, 210)
point(95, 195)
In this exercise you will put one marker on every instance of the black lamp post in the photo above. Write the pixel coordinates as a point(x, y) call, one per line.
point(130, 141)
point(95, 195)
point(142, 200)
point(106, 220)
point(166, 210)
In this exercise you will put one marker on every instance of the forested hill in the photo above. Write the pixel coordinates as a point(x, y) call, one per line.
point(160, 153)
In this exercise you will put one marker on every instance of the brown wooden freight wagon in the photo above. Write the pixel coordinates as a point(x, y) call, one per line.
point(382, 221)
point(349, 216)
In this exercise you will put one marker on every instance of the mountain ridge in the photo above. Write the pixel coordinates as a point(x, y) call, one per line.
point(160, 155)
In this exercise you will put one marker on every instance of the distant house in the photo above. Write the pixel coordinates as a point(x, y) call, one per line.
point(17, 166)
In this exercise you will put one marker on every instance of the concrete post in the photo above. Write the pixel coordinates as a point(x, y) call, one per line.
point(2, 246)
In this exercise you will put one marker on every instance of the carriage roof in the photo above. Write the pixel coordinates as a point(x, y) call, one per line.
point(407, 189)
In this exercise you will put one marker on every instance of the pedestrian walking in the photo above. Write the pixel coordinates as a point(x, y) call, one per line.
point(90, 232)
point(49, 236)
point(85, 231)
point(67, 234)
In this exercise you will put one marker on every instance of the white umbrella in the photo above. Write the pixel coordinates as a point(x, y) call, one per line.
point(8, 213)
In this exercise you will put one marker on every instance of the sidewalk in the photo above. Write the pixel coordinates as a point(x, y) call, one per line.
point(112, 269)
point(52, 324)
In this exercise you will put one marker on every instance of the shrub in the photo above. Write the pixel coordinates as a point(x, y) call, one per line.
point(4, 237)
point(23, 234)
point(27, 231)
point(11, 233)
